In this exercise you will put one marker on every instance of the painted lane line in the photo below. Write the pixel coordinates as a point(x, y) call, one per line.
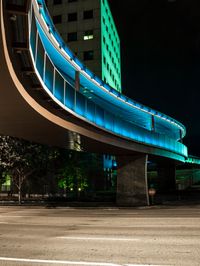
point(70, 262)
point(58, 262)
point(147, 265)
point(11, 216)
point(97, 238)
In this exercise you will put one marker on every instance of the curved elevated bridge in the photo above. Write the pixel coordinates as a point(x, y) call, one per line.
point(49, 96)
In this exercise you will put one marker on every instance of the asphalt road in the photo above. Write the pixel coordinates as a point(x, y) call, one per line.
point(100, 236)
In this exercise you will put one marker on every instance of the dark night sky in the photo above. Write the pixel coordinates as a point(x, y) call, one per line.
point(160, 52)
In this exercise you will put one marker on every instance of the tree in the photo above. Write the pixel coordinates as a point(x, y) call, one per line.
point(72, 175)
point(21, 159)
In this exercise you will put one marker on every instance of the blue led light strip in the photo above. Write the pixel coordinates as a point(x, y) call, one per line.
point(101, 118)
point(81, 67)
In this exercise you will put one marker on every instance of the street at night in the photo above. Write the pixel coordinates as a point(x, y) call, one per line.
point(79, 84)
point(100, 236)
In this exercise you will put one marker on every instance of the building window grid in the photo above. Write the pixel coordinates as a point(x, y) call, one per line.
point(114, 65)
point(115, 50)
point(111, 25)
point(110, 54)
point(113, 61)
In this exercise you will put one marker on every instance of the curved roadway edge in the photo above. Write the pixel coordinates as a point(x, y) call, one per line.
point(23, 117)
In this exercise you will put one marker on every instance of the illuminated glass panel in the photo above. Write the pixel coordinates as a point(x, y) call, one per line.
point(90, 111)
point(80, 104)
point(99, 116)
point(108, 121)
point(40, 58)
point(59, 87)
point(48, 79)
point(88, 35)
point(69, 96)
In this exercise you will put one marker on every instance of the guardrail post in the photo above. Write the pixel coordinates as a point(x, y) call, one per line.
point(77, 80)
point(152, 123)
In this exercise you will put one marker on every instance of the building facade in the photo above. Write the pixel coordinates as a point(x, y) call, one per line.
point(87, 26)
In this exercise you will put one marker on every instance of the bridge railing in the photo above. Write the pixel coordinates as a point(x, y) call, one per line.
point(64, 94)
point(176, 129)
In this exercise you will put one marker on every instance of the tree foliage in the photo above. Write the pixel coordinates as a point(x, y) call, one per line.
point(21, 159)
point(72, 175)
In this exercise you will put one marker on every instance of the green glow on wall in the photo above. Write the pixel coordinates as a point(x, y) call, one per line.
point(111, 61)
point(7, 180)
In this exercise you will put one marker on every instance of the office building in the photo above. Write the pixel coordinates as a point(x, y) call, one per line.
point(87, 26)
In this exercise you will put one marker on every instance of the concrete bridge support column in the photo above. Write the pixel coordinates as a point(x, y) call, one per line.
point(132, 181)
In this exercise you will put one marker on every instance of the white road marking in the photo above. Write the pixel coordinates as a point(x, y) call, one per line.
point(70, 262)
point(137, 225)
point(97, 238)
point(11, 216)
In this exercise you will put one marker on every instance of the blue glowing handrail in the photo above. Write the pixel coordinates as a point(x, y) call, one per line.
point(193, 160)
point(134, 104)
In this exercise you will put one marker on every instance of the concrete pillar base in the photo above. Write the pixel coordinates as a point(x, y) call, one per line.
point(132, 181)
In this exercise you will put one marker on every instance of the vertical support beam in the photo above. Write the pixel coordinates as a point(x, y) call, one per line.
point(132, 187)
point(77, 80)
